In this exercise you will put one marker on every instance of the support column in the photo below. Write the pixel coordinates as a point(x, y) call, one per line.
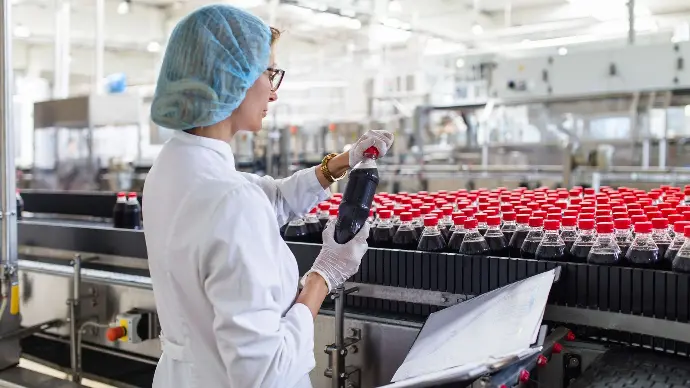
point(99, 48)
point(631, 22)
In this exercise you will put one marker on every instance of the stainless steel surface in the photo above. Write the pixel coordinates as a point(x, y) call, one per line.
point(67, 256)
point(31, 330)
point(88, 275)
point(74, 314)
point(436, 298)
point(9, 349)
point(18, 377)
point(678, 331)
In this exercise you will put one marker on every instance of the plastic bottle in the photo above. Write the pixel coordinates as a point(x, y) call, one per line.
point(446, 222)
point(119, 210)
point(681, 263)
point(132, 212)
point(431, 239)
point(509, 225)
point(551, 247)
point(605, 250)
point(417, 221)
point(533, 239)
point(405, 236)
point(382, 236)
point(20, 205)
point(458, 235)
point(677, 243)
point(661, 237)
point(624, 237)
point(672, 219)
point(359, 193)
point(473, 243)
point(498, 244)
point(585, 240)
point(643, 251)
point(332, 214)
point(515, 243)
point(313, 227)
point(481, 222)
point(569, 234)
point(323, 213)
point(397, 211)
point(296, 230)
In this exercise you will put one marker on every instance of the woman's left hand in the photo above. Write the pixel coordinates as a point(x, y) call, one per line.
point(382, 140)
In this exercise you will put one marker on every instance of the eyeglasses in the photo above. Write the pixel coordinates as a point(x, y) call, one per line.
point(276, 77)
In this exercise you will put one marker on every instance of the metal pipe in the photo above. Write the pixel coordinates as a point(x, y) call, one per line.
point(73, 314)
point(631, 22)
point(338, 356)
point(645, 154)
point(662, 152)
point(99, 48)
point(79, 346)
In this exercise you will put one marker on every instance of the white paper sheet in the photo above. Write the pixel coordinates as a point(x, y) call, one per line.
point(479, 331)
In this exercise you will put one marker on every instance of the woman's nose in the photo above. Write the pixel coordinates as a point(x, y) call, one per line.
point(273, 96)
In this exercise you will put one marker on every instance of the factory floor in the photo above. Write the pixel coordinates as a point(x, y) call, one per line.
point(36, 367)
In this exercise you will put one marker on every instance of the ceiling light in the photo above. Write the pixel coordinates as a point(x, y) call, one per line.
point(460, 63)
point(562, 51)
point(477, 29)
point(21, 31)
point(153, 47)
point(123, 7)
point(687, 110)
point(394, 6)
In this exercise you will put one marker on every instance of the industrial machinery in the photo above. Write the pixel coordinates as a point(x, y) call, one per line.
point(603, 323)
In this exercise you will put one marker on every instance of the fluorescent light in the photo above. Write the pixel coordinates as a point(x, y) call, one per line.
point(477, 29)
point(562, 51)
point(394, 6)
point(153, 47)
point(123, 7)
point(21, 31)
point(460, 63)
point(687, 110)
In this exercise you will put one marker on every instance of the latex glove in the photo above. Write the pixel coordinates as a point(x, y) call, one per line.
point(382, 140)
point(338, 262)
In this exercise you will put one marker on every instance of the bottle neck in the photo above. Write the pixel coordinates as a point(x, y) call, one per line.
point(431, 230)
point(511, 223)
point(568, 228)
point(536, 229)
point(643, 236)
point(587, 232)
point(405, 224)
point(385, 223)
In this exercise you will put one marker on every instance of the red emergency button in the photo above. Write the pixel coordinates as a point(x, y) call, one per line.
point(115, 333)
point(523, 376)
point(557, 348)
point(542, 361)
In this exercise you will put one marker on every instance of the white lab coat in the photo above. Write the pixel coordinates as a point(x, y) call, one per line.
point(223, 279)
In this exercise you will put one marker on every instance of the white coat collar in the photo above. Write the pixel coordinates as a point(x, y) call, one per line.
point(220, 147)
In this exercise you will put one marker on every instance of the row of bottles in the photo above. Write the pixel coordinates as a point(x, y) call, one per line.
point(127, 211)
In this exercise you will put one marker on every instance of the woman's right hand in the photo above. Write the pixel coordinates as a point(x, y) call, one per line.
point(337, 262)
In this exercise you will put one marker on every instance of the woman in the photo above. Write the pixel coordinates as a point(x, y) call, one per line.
point(224, 281)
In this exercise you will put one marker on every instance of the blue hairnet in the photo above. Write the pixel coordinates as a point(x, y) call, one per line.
point(213, 56)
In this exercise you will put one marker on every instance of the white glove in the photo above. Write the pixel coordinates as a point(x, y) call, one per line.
point(382, 140)
point(337, 262)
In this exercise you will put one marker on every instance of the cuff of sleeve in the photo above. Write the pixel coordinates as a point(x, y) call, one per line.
point(301, 315)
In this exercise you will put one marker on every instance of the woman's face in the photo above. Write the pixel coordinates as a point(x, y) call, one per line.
point(254, 107)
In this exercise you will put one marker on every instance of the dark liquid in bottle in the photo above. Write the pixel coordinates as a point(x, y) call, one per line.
point(382, 237)
point(474, 248)
point(20, 207)
point(643, 258)
point(132, 217)
point(419, 229)
point(431, 243)
point(663, 247)
point(455, 242)
point(624, 250)
point(515, 244)
point(282, 230)
point(498, 245)
point(119, 215)
point(508, 234)
point(482, 230)
point(354, 208)
point(604, 258)
point(314, 228)
point(298, 233)
point(669, 256)
point(681, 264)
point(568, 246)
point(405, 239)
point(323, 222)
point(550, 252)
point(445, 231)
point(579, 253)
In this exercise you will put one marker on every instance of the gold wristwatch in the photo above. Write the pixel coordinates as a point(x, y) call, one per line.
point(326, 172)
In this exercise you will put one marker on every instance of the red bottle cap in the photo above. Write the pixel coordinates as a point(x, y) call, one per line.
point(333, 211)
point(569, 221)
point(313, 211)
point(686, 232)
point(506, 207)
point(371, 153)
point(604, 227)
point(539, 214)
point(682, 209)
point(622, 223)
point(653, 215)
point(509, 216)
point(643, 227)
point(604, 219)
point(115, 333)
point(447, 210)
point(574, 193)
point(649, 209)
point(535, 222)
point(415, 213)
point(636, 212)
point(121, 194)
point(601, 200)
point(493, 221)
point(638, 219)
point(620, 215)
point(523, 218)
point(586, 224)
point(397, 211)
point(553, 209)
point(471, 223)
point(553, 216)
point(551, 224)
point(132, 194)
point(659, 223)
point(426, 209)
point(679, 227)
point(586, 216)
point(634, 206)
point(673, 218)
point(570, 213)
point(481, 217)
point(602, 213)
point(324, 206)
point(385, 214)
point(430, 221)
point(589, 191)
point(459, 220)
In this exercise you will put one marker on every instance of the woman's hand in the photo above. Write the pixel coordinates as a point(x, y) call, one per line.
point(382, 140)
point(337, 262)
